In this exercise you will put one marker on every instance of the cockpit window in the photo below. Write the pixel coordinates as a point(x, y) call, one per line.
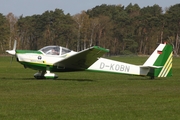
point(51, 50)
point(65, 50)
point(55, 50)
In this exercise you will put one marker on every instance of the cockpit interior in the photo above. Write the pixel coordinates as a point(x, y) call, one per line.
point(54, 50)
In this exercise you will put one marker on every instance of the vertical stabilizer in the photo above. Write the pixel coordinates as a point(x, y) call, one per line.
point(162, 56)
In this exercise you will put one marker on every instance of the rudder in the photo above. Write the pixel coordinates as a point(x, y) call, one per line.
point(163, 56)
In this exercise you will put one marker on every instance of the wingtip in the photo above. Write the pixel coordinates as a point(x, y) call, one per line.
point(101, 48)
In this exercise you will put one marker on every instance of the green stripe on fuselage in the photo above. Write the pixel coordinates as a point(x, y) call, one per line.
point(35, 66)
point(27, 51)
point(43, 67)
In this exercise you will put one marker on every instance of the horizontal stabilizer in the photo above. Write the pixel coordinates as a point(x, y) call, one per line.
point(151, 66)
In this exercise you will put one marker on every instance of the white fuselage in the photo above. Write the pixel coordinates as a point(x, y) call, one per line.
point(107, 65)
point(43, 58)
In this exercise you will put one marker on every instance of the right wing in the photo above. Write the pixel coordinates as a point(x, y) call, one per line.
point(83, 59)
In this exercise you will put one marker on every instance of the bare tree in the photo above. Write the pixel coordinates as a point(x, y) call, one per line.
point(81, 20)
point(12, 20)
point(93, 24)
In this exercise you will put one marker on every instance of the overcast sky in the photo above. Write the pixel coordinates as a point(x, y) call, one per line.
point(31, 7)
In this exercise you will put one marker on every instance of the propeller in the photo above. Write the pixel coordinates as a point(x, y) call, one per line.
point(13, 51)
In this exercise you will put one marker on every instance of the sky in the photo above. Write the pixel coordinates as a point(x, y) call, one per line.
point(32, 7)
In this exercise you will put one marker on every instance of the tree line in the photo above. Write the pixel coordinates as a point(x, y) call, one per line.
point(123, 30)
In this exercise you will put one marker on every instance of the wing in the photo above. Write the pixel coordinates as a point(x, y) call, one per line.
point(83, 59)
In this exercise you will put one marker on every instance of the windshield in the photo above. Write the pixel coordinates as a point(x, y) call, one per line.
point(65, 50)
point(54, 50)
point(51, 50)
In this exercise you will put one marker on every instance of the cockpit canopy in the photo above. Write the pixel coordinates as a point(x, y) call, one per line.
point(54, 50)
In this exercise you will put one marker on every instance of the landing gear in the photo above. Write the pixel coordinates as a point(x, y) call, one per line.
point(49, 75)
point(39, 75)
point(45, 75)
point(152, 77)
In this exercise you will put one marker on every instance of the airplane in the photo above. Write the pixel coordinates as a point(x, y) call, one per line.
point(60, 59)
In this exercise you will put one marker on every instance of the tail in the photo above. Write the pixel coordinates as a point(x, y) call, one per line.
point(160, 62)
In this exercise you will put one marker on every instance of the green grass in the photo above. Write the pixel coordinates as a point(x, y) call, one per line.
point(88, 95)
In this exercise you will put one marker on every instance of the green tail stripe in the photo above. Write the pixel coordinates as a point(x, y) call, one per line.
point(165, 70)
point(168, 70)
point(165, 60)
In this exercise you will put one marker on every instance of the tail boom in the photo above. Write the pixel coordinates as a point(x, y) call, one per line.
point(159, 64)
point(112, 66)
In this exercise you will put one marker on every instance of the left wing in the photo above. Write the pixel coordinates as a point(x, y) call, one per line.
point(83, 59)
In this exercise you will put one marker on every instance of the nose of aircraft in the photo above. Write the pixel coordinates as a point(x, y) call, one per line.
point(12, 52)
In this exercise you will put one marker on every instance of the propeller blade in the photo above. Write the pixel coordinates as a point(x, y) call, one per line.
point(14, 47)
point(12, 59)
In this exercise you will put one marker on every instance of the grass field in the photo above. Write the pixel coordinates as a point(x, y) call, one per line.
point(88, 95)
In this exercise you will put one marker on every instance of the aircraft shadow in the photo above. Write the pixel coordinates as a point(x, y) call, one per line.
point(144, 78)
point(4, 78)
point(58, 79)
point(79, 80)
